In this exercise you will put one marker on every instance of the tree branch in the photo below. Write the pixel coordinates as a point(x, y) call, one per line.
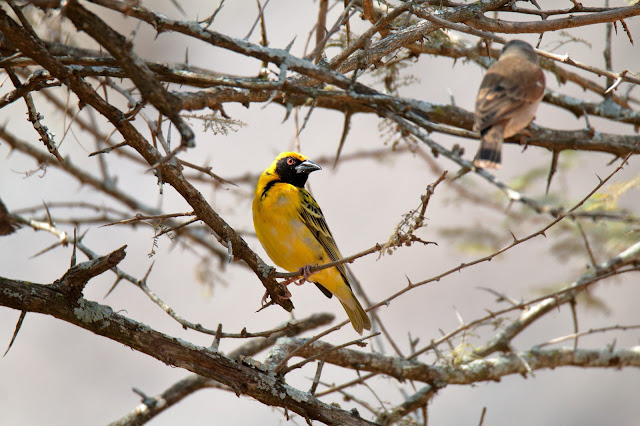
point(75, 279)
point(500, 26)
point(462, 373)
point(246, 378)
point(151, 407)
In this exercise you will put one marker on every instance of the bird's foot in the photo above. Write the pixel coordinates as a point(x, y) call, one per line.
point(525, 134)
point(288, 281)
point(306, 273)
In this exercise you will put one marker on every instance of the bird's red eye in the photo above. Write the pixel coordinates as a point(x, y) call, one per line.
point(291, 161)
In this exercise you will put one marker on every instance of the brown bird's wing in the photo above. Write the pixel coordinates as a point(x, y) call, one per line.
point(314, 220)
point(501, 94)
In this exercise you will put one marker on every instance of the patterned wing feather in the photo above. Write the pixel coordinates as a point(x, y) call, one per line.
point(314, 220)
point(501, 94)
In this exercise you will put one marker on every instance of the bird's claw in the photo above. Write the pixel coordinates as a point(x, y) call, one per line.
point(305, 271)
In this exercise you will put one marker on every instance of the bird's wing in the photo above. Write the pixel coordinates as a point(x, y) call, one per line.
point(314, 220)
point(501, 94)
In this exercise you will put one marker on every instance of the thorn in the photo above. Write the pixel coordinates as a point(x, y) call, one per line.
point(288, 48)
point(501, 297)
point(345, 131)
point(460, 320)
point(75, 246)
point(509, 204)
point(308, 116)
point(289, 108)
point(490, 312)
point(274, 92)
point(552, 169)
point(113, 287)
point(86, 231)
point(452, 99)
point(616, 83)
point(47, 249)
point(46, 207)
point(144, 279)
point(23, 314)
point(146, 400)
point(216, 341)
point(463, 171)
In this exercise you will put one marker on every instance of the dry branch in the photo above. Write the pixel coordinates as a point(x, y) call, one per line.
point(152, 407)
point(244, 377)
point(463, 373)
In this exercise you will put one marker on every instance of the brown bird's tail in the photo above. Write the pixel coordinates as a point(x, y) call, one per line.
point(489, 154)
point(357, 315)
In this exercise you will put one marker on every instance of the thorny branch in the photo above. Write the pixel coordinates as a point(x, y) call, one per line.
point(151, 407)
point(245, 377)
point(465, 373)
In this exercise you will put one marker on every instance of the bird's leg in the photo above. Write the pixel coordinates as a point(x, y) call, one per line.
point(286, 282)
point(306, 273)
point(525, 134)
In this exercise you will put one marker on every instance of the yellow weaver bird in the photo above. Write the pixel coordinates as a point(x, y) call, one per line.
point(294, 233)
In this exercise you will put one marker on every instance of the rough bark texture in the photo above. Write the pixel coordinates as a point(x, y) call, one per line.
point(244, 377)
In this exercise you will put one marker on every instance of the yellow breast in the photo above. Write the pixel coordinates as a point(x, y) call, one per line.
point(284, 236)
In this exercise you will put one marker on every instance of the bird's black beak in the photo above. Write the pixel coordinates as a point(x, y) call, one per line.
point(307, 166)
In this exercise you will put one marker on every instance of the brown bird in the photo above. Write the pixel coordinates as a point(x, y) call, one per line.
point(507, 101)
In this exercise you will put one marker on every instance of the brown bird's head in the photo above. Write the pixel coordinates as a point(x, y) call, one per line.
point(521, 49)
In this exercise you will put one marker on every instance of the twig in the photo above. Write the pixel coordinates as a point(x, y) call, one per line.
point(358, 342)
point(140, 217)
point(588, 332)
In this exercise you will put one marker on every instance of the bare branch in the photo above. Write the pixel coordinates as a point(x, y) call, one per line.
point(243, 378)
point(192, 383)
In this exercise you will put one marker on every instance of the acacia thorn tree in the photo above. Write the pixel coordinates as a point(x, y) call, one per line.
point(131, 139)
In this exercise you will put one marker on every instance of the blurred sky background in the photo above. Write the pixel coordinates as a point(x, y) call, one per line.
point(59, 374)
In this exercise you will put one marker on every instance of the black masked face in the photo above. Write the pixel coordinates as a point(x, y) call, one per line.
point(295, 171)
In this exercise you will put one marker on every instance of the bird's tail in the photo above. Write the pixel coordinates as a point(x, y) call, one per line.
point(489, 155)
point(357, 315)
